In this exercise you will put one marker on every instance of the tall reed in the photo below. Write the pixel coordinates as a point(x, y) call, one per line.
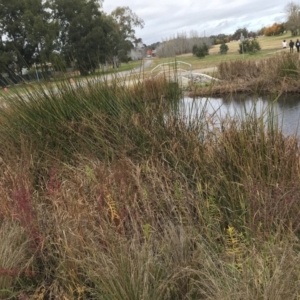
point(118, 195)
point(277, 74)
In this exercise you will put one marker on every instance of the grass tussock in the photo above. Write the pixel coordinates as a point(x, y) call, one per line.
point(276, 74)
point(108, 192)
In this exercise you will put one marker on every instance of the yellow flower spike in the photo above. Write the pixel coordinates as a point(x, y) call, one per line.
point(114, 216)
point(233, 242)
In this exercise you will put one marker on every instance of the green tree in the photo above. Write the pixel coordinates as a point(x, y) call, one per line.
point(223, 48)
point(82, 32)
point(249, 46)
point(58, 62)
point(261, 31)
point(76, 31)
point(124, 38)
point(237, 34)
point(6, 61)
point(200, 51)
point(89, 37)
point(28, 31)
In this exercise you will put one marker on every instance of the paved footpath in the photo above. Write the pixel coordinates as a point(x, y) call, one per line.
point(85, 81)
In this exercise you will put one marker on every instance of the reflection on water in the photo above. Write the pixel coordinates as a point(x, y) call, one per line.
point(286, 109)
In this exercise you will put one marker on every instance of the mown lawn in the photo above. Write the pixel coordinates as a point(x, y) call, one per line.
point(269, 47)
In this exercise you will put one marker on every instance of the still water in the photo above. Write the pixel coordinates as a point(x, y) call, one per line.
point(285, 109)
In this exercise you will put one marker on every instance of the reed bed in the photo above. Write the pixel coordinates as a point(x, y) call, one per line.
point(109, 192)
point(277, 74)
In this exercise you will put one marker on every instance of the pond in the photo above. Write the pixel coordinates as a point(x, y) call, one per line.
point(285, 109)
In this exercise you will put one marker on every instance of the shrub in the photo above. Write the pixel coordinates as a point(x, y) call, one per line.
point(288, 66)
point(223, 48)
point(200, 51)
point(249, 46)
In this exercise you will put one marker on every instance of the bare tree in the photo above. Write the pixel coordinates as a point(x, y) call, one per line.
point(293, 17)
point(181, 44)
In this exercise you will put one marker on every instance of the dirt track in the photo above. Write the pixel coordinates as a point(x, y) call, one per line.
point(206, 70)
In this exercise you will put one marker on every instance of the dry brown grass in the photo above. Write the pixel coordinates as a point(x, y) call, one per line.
point(147, 205)
point(276, 75)
point(14, 255)
point(137, 230)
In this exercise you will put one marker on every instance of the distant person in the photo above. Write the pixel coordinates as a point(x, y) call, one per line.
point(291, 44)
point(298, 45)
point(284, 44)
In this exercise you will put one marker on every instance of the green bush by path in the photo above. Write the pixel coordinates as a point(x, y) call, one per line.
point(249, 46)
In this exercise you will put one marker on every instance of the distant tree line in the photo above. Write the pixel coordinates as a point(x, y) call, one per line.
point(154, 46)
point(292, 24)
point(181, 44)
point(199, 46)
point(65, 33)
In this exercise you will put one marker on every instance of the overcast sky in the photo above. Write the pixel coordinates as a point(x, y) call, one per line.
point(165, 18)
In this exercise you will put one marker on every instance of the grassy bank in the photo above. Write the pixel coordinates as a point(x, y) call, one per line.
point(108, 192)
point(269, 46)
point(271, 70)
point(278, 74)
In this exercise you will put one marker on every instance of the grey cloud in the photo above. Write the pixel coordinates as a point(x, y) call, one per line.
point(169, 17)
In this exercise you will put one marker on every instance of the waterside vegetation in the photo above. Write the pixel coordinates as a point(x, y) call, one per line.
point(278, 74)
point(109, 192)
point(269, 69)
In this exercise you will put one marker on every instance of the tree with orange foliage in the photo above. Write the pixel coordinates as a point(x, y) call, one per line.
point(275, 29)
